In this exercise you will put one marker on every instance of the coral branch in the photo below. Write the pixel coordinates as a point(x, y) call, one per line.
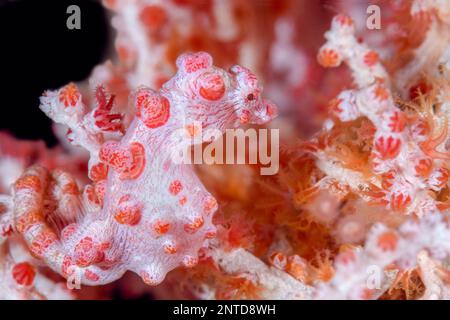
point(355, 269)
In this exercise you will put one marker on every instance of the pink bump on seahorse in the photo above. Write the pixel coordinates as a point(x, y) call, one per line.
point(142, 212)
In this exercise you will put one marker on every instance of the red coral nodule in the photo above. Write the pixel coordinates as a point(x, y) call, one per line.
point(211, 86)
point(388, 147)
point(24, 273)
point(387, 241)
point(329, 58)
point(153, 108)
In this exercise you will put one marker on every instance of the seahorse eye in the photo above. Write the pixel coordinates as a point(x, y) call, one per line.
point(251, 97)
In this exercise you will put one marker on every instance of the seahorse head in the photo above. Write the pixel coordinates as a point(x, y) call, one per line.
point(216, 98)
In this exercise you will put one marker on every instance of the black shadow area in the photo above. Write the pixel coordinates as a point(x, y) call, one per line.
point(39, 52)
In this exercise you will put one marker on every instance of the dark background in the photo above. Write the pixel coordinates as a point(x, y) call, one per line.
point(38, 52)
